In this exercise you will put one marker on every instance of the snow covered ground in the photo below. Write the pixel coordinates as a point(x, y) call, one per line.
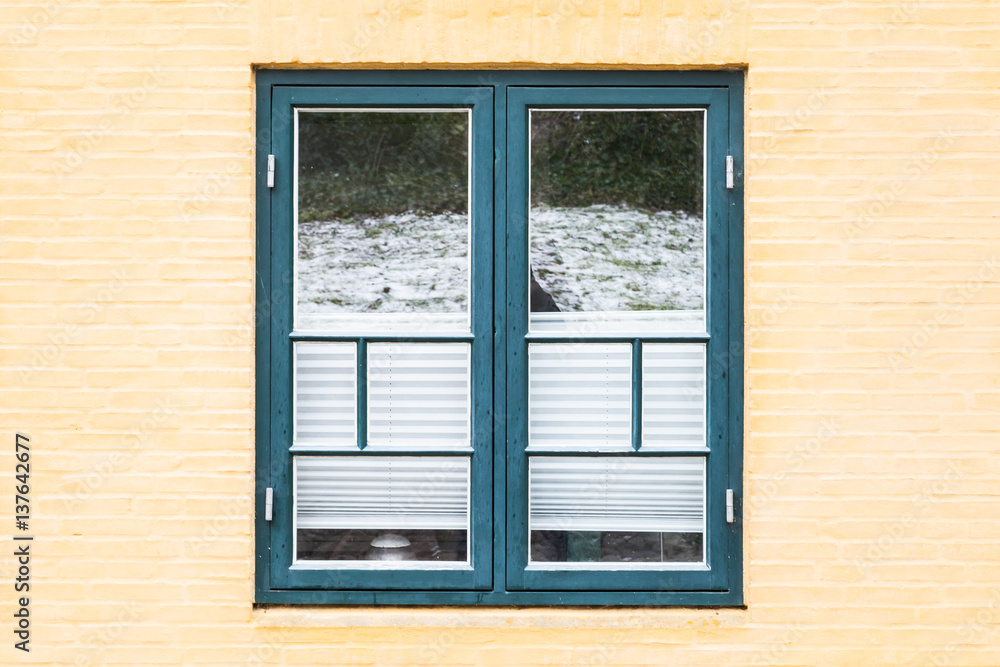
point(406, 263)
point(607, 258)
point(599, 258)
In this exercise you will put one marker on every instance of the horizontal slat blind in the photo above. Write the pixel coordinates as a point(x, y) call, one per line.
point(637, 322)
point(673, 395)
point(617, 494)
point(363, 323)
point(579, 396)
point(382, 492)
point(325, 394)
point(418, 395)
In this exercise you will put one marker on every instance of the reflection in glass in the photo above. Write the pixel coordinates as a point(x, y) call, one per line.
point(397, 544)
point(382, 203)
point(617, 220)
point(552, 546)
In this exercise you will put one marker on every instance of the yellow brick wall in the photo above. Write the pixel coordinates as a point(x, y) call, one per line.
point(872, 326)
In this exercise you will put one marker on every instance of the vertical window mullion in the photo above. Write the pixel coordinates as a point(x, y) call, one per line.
point(362, 389)
point(636, 394)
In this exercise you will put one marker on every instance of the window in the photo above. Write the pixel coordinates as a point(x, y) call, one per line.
point(499, 337)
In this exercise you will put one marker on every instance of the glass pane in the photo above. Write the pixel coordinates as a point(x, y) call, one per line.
point(418, 395)
point(580, 396)
point(574, 546)
point(325, 395)
point(616, 509)
point(616, 220)
point(379, 508)
point(673, 395)
point(394, 545)
point(382, 211)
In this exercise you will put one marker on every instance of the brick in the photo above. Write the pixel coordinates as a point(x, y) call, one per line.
point(102, 172)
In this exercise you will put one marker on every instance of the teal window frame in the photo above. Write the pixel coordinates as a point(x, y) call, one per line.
point(499, 101)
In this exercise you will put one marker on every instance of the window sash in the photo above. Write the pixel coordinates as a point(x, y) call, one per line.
point(284, 572)
point(491, 91)
point(522, 575)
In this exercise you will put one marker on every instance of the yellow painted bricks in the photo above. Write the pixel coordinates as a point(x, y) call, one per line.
point(872, 322)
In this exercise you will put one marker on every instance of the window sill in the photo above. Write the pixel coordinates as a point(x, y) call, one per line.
point(280, 617)
point(301, 598)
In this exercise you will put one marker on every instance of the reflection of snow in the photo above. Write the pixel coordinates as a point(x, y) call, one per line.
point(406, 263)
point(607, 258)
point(599, 258)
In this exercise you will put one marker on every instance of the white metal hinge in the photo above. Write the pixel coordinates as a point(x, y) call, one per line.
point(730, 178)
point(730, 511)
point(270, 171)
point(268, 504)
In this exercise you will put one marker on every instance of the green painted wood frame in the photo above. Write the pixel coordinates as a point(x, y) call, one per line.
point(521, 576)
point(504, 499)
point(285, 102)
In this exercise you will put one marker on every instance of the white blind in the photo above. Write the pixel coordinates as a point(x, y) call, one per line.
point(418, 395)
point(627, 322)
point(366, 323)
point(325, 394)
point(579, 395)
point(381, 492)
point(673, 395)
point(617, 494)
